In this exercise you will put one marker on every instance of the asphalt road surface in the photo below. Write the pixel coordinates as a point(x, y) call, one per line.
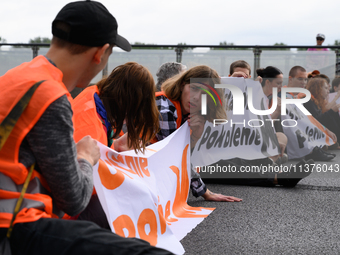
point(276, 220)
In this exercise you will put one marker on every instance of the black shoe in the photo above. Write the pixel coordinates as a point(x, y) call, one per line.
point(301, 170)
point(335, 146)
point(329, 153)
point(319, 154)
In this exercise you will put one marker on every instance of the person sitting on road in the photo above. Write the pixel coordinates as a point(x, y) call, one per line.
point(298, 78)
point(126, 96)
point(316, 106)
point(61, 184)
point(176, 106)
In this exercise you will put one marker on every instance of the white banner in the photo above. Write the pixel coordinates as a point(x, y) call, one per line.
point(145, 195)
point(307, 134)
point(331, 96)
point(247, 136)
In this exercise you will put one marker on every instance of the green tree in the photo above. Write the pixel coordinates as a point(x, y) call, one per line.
point(224, 43)
point(336, 43)
point(40, 40)
point(36, 40)
point(153, 47)
point(184, 48)
point(280, 44)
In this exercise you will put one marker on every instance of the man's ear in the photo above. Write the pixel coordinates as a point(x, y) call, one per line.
point(290, 79)
point(97, 57)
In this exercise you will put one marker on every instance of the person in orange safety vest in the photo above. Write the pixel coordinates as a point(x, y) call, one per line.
point(61, 184)
point(127, 96)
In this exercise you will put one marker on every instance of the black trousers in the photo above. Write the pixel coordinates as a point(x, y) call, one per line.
point(55, 236)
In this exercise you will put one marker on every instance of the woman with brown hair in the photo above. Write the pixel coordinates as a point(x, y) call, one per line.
point(127, 96)
point(318, 88)
point(180, 100)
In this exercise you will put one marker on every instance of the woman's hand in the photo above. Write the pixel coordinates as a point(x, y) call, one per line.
point(239, 74)
point(331, 135)
point(121, 144)
point(259, 79)
point(337, 94)
point(335, 107)
point(196, 123)
point(211, 196)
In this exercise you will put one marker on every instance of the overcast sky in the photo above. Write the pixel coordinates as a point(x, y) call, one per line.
point(205, 22)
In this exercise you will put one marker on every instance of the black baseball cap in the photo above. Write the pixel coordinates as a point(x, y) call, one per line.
point(89, 24)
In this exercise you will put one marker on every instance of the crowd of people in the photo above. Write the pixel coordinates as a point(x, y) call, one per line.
point(51, 146)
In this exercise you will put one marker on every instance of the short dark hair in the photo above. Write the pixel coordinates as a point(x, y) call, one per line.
point(336, 82)
point(241, 64)
point(293, 71)
point(73, 48)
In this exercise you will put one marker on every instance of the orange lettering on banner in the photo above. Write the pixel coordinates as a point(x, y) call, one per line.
point(114, 161)
point(180, 207)
point(167, 214)
point(148, 217)
point(161, 219)
point(109, 181)
point(131, 163)
point(143, 162)
point(138, 165)
point(319, 126)
point(124, 221)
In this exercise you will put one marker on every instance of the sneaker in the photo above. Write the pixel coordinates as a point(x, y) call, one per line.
point(296, 174)
point(329, 153)
point(319, 154)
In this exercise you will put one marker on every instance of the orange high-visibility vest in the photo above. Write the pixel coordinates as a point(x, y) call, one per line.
point(14, 84)
point(86, 120)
